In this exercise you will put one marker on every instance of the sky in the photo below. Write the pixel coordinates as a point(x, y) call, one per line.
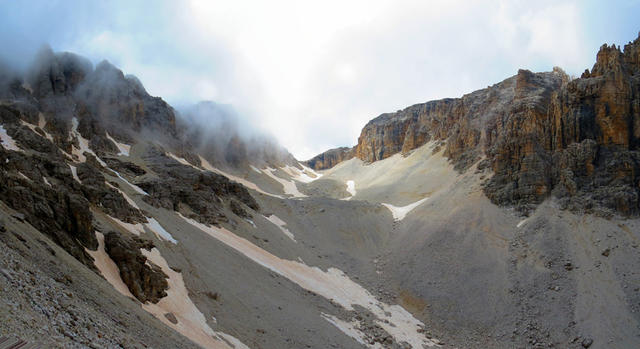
point(312, 73)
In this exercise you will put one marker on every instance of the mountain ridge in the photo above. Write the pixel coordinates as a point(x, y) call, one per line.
point(541, 134)
point(125, 223)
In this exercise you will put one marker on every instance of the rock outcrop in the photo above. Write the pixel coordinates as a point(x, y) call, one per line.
point(587, 143)
point(195, 194)
point(540, 133)
point(146, 281)
point(62, 119)
point(39, 182)
point(465, 123)
point(330, 158)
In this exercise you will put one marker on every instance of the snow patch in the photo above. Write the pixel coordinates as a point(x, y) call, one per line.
point(309, 170)
point(522, 222)
point(6, 141)
point(255, 169)
point(160, 232)
point(135, 229)
point(74, 125)
point(124, 149)
point(351, 189)
point(41, 121)
point(74, 173)
point(126, 197)
point(332, 284)
point(280, 224)
point(191, 322)
point(41, 124)
point(350, 329)
point(289, 187)
point(207, 166)
point(400, 212)
point(83, 144)
point(46, 181)
point(133, 186)
point(301, 175)
point(235, 342)
point(182, 160)
point(108, 267)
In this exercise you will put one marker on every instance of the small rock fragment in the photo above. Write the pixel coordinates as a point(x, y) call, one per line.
point(172, 318)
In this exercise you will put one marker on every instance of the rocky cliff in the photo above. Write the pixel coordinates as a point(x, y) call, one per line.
point(542, 134)
point(65, 134)
point(330, 158)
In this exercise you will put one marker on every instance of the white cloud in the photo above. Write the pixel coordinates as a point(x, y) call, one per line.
point(313, 73)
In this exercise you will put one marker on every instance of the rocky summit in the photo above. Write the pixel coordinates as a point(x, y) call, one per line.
point(506, 218)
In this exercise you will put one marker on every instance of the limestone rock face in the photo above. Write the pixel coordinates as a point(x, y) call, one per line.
point(62, 212)
point(330, 158)
point(469, 124)
point(540, 133)
point(146, 281)
point(601, 114)
point(38, 182)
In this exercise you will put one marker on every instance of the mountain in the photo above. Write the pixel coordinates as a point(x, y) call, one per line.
point(541, 134)
point(504, 218)
point(330, 158)
point(217, 130)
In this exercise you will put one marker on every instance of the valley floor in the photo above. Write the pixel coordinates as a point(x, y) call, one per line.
point(401, 253)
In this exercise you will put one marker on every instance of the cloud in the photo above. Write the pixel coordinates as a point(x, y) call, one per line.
point(313, 73)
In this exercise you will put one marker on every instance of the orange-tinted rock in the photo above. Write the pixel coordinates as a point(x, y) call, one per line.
point(330, 158)
point(540, 132)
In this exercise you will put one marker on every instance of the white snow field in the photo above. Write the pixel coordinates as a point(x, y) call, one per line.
point(135, 229)
point(400, 212)
point(255, 169)
point(160, 231)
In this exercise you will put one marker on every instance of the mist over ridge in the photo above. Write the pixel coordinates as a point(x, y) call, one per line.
point(215, 130)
